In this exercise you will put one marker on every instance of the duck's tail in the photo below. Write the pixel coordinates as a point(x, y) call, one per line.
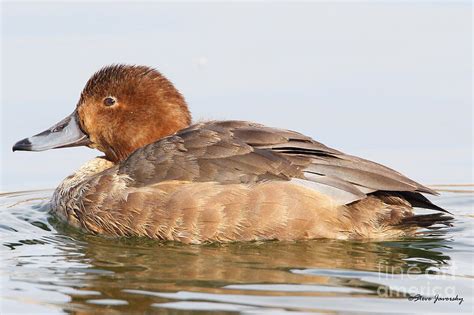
point(400, 202)
point(430, 221)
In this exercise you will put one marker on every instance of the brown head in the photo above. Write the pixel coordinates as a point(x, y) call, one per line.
point(121, 109)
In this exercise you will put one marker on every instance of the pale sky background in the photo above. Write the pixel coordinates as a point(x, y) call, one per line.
point(388, 81)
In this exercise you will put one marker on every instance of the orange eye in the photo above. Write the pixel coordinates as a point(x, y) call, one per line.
point(109, 101)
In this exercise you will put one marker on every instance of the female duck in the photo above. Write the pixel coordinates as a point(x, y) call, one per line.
point(214, 181)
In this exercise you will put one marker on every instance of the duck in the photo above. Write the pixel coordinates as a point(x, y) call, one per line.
point(163, 177)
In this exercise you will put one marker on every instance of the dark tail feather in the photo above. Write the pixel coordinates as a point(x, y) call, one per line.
point(420, 201)
point(427, 220)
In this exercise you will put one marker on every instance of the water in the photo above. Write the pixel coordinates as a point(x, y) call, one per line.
point(49, 268)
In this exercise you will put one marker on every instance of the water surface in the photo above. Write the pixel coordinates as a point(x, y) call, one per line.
point(49, 268)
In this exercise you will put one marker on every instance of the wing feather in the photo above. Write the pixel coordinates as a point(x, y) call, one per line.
point(246, 152)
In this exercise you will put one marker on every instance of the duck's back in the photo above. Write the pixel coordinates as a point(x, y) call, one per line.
point(234, 180)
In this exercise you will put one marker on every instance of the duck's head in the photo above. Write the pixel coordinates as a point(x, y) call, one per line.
point(121, 109)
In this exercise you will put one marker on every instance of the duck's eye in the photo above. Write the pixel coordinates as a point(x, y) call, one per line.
point(109, 101)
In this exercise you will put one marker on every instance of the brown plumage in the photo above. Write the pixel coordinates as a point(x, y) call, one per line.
point(221, 180)
point(119, 130)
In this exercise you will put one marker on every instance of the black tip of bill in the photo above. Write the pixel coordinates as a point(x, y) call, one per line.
point(22, 145)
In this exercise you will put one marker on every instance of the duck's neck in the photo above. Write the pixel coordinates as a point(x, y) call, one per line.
point(68, 186)
point(88, 169)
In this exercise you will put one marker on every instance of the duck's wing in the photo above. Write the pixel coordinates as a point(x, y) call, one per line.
point(243, 152)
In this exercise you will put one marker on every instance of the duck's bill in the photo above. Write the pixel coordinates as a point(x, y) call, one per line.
point(66, 133)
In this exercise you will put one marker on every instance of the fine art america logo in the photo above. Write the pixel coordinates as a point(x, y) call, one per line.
point(419, 285)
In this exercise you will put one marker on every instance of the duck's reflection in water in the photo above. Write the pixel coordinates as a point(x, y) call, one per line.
point(139, 271)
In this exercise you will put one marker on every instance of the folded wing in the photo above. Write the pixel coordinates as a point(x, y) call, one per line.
point(243, 152)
